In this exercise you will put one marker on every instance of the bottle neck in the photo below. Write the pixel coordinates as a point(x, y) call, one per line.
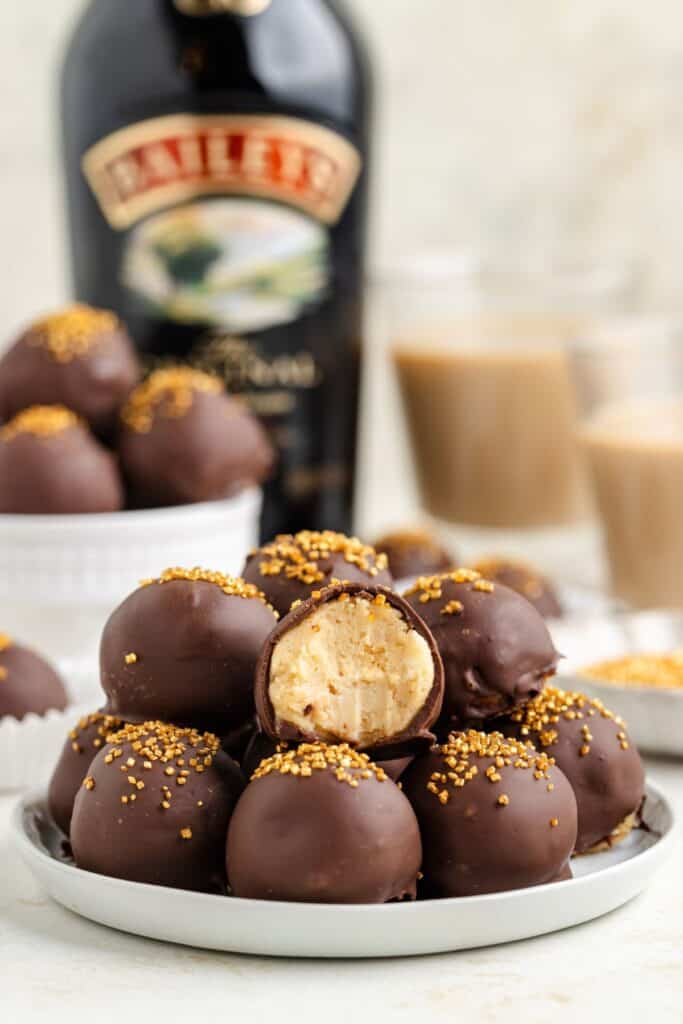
point(205, 8)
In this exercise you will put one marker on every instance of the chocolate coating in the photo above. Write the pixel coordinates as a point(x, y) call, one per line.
point(135, 818)
point(81, 358)
point(414, 552)
point(526, 580)
point(496, 649)
point(414, 736)
point(261, 747)
point(292, 566)
point(591, 746)
point(58, 473)
point(181, 649)
point(81, 747)
point(28, 683)
point(340, 834)
point(510, 825)
point(184, 440)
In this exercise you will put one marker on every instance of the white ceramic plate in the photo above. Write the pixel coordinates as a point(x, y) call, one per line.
point(603, 882)
point(654, 716)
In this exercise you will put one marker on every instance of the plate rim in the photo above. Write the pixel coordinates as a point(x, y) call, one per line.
point(27, 849)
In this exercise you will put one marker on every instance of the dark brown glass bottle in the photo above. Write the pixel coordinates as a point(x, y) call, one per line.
point(216, 159)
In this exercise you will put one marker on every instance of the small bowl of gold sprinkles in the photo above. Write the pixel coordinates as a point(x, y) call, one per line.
point(634, 663)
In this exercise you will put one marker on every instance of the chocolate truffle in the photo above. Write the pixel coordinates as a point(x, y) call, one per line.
point(591, 746)
point(50, 464)
point(183, 648)
point(184, 440)
point(526, 580)
point(82, 745)
point(494, 814)
point(291, 567)
point(155, 807)
point(352, 664)
point(496, 649)
point(261, 747)
point(413, 552)
point(79, 357)
point(323, 824)
point(28, 684)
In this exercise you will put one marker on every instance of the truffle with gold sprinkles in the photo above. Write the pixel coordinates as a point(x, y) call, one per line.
point(352, 664)
point(184, 440)
point(183, 648)
point(28, 683)
point(323, 824)
point(292, 566)
point(50, 464)
point(494, 815)
point(81, 746)
point(80, 357)
point(155, 807)
point(414, 552)
point(496, 648)
point(526, 580)
point(592, 747)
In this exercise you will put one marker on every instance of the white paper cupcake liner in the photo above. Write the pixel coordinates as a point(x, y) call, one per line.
point(62, 576)
point(29, 748)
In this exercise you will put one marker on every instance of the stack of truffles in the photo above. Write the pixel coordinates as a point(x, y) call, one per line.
point(82, 432)
point(306, 733)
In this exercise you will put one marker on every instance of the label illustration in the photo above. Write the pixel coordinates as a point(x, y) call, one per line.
point(238, 264)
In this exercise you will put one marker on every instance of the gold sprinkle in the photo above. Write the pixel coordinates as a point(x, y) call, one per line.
point(660, 671)
point(168, 392)
point(40, 421)
point(232, 586)
point(297, 556)
point(131, 659)
point(186, 833)
point(89, 782)
point(72, 332)
point(554, 822)
point(503, 799)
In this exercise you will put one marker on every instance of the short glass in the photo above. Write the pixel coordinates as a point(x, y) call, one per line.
point(629, 383)
point(481, 353)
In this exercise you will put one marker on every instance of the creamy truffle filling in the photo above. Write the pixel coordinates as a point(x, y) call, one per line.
point(352, 670)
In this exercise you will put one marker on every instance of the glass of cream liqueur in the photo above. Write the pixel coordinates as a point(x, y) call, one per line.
point(629, 378)
point(483, 365)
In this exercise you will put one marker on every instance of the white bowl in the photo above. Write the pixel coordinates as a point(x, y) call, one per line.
point(602, 882)
point(61, 576)
point(654, 716)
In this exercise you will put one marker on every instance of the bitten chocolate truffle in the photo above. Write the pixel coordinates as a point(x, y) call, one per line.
point(79, 357)
point(261, 747)
point(82, 745)
point(496, 649)
point(28, 684)
point(494, 814)
point(50, 464)
point(413, 552)
point(323, 824)
point(526, 580)
point(184, 440)
point(155, 807)
point(591, 746)
point(352, 664)
point(183, 648)
point(291, 567)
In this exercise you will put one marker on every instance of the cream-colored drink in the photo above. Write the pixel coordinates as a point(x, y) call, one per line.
point(635, 453)
point(492, 418)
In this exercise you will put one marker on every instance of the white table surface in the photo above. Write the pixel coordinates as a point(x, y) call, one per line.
point(625, 967)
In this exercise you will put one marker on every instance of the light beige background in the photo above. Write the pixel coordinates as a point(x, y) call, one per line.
point(499, 123)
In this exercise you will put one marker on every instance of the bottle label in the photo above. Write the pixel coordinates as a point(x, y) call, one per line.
point(159, 163)
point(202, 8)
